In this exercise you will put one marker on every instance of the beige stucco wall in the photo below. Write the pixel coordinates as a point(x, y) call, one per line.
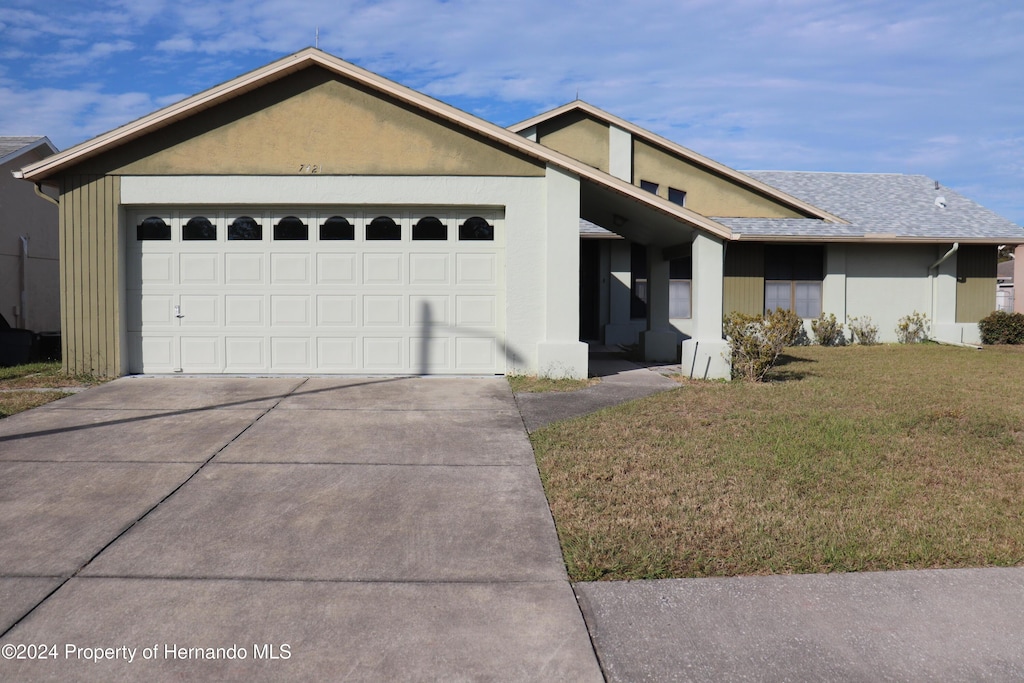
point(313, 122)
point(579, 136)
point(22, 212)
point(706, 193)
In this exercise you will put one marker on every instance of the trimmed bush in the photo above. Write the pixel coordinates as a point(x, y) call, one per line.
point(913, 328)
point(827, 330)
point(1000, 327)
point(756, 341)
point(862, 331)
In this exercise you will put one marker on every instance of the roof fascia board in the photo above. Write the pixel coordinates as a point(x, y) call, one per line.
point(686, 153)
point(871, 239)
point(36, 144)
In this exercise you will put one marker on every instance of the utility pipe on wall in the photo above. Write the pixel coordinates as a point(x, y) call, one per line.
point(935, 266)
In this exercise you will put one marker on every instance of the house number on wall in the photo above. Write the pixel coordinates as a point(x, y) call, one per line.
point(310, 168)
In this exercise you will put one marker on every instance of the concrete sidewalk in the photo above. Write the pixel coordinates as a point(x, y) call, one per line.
point(621, 381)
point(326, 529)
point(935, 625)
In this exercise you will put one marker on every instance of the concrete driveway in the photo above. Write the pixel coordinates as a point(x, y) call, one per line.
point(280, 528)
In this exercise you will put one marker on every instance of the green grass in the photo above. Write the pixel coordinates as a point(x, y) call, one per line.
point(854, 459)
point(35, 376)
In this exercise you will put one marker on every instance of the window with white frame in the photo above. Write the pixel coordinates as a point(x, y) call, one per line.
point(679, 285)
point(793, 275)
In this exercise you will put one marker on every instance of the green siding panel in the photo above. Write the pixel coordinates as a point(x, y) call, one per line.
point(975, 282)
point(743, 284)
point(90, 281)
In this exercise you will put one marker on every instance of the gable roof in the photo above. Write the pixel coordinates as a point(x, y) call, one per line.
point(685, 153)
point(879, 206)
point(191, 106)
point(13, 146)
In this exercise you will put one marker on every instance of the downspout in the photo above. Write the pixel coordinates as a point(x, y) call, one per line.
point(935, 266)
point(39, 191)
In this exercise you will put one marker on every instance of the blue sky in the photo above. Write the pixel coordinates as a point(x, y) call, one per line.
point(922, 86)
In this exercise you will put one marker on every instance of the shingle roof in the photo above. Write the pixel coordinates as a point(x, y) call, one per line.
point(883, 204)
point(12, 143)
point(588, 228)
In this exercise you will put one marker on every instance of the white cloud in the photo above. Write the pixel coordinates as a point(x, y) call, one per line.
point(916, 87)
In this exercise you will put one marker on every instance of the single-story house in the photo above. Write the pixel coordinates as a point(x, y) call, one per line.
point(29, 275)
point(313, 217)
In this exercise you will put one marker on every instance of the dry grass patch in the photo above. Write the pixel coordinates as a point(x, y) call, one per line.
point(531, 384)
point(36, 376)
point(18, 401)
point(861, 458)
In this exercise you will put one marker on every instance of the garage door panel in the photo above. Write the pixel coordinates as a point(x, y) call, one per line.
point(200, 310)
point(200, 354)
point(476, 311)
point(289, 269)
point(382, 269)
point(289, 310)
point(158, 354)
point(199, 269)
point(337, 353)
point(428, 269)
point(383, 354)
point(430, 354)
point(157, 310)
point(476, 269)
point(475, 353)
point(336, 269)
point(245, 354)
point(288, 354)
point(243, 269)
point(244, 310)
point(155, 269)
point(429, 310)
point(336, 310)
point(382, 309)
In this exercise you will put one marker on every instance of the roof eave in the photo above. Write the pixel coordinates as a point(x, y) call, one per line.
point(875, 239)
point(42, 141)
point(684, 152)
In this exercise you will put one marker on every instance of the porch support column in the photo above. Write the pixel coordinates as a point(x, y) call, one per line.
point(619, 330)
point(659, 341)
point(561, 354)
point(1018, 279)
point(706, 354)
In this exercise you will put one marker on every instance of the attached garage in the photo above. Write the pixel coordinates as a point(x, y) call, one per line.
point(311, 217)
point(329, 289)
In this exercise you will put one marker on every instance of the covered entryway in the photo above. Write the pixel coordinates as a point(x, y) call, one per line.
point(316, 290)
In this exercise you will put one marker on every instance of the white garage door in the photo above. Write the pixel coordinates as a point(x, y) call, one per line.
point(330, 290)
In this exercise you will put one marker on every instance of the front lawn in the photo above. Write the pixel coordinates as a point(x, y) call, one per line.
point(854, 459)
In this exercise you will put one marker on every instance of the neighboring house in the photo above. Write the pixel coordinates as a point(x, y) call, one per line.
point(311, 216)
point(29, 274)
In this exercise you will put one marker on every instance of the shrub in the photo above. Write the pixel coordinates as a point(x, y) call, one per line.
point(827, 330)
point(862, 331)
point(1000, 327)
point(912, 329)
point(756, 341)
